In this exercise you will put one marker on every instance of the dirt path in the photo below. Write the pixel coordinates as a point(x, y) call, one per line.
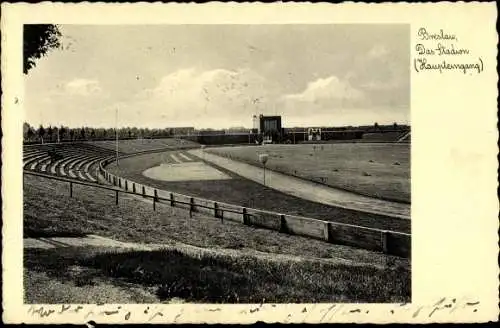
point(107, 243)
point(309, 190)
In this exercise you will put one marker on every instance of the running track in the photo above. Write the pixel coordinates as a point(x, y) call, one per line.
point(309, 190)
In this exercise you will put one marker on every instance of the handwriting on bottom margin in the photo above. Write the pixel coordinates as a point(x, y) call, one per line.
point(422, 64)
point(442, 306)
point(448, 305)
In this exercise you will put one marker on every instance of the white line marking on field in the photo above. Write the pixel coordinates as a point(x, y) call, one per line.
point(44, 168)
point(71, 174)
point(176, 159)
point(185, 157)
point(188, 171)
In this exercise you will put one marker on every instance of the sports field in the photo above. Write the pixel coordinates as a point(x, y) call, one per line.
point(239, 191)
point(376, 170)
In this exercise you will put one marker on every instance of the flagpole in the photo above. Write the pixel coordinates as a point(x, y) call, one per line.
point(116, 135)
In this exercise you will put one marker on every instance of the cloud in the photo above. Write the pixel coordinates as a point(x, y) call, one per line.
point(382, 75)
point(378, 51)
point(82, 87)
point(327, 90)
point(211, 98)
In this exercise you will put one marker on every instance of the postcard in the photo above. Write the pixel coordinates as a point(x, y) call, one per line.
point(235, 163)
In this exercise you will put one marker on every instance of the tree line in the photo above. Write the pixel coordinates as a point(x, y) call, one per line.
point(49, 134)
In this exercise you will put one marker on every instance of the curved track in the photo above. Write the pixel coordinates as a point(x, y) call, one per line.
point(80, 161)
point(243, 191)
point(309, 190)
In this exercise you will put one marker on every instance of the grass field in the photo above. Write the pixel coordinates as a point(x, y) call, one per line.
point(242, 192)
point(268, 265)
point(137, 145)
point(376, 170)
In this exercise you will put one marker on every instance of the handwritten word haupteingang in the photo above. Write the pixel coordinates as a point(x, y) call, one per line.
point(421, 64)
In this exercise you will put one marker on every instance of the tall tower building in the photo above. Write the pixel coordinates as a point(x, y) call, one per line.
point(255, 124)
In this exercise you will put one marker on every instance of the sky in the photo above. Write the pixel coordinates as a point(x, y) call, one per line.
point(219, 76)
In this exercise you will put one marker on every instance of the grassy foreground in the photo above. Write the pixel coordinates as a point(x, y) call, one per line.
point(171, 274)
point(375, 170)
point(261, 264)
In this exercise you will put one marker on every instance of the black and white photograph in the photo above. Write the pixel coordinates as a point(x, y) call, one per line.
point(217, 163)
point(242, 163)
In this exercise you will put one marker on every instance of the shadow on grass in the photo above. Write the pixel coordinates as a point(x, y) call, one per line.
point(226, 279)
point(30, 233)
point(34, 227)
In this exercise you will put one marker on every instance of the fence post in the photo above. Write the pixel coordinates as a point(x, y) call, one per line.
point(116, 197)
point(71, 189)
point(114, 181)
point(215, 209)
point(283, 227)
point(133, 187)
point(385, 246)
point(126, 185)
point(245, 216)
point(326, 231)
point(191, 206)
point(119, 182)
point(172, 203)
point(143, 191)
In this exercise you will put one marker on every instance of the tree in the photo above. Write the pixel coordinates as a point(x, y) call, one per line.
point(49, 133)
point(38, 40)
point(26, 128)
point(82, 133)
point(71, 134)
point(110, 133)
point(30, 134)
point(55, 131)
point(41, 132)
point(62, 132)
